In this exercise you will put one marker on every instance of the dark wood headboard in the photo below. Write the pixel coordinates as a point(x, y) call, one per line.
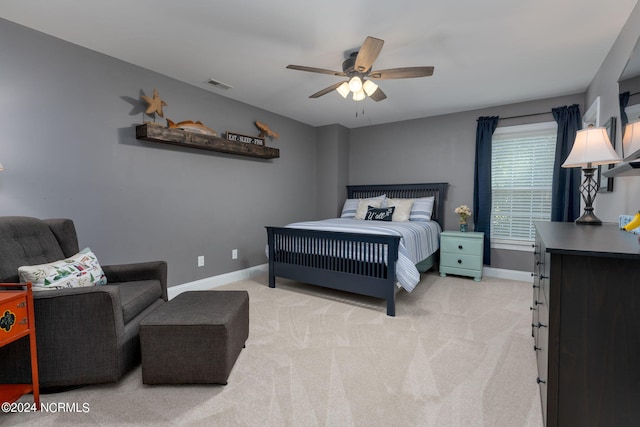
point(405, 191)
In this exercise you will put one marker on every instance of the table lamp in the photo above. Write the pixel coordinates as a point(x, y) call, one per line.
point(590, 149)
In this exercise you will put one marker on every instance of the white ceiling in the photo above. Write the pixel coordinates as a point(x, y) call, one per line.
point(487, 53)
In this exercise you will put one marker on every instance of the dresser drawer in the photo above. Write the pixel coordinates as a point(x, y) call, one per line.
point(14, 320)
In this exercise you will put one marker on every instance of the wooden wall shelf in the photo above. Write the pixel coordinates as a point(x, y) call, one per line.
point(159, 133)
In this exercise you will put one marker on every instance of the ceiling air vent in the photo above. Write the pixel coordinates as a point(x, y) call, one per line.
point(218, 84)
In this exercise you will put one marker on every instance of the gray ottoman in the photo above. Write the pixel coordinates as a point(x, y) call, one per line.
point(195, 338)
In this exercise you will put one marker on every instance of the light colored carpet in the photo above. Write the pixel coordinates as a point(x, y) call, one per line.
point(458, 353)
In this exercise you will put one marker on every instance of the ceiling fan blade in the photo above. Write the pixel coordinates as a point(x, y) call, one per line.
point(368, 53)
point(315, 70)
point(378, 95)
point(401, 73)
point(325, 90)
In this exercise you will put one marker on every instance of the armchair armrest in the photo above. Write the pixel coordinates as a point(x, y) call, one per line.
point(77, 332)
point(152, 270)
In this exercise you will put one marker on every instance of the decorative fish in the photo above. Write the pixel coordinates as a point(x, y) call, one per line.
point(191, 126)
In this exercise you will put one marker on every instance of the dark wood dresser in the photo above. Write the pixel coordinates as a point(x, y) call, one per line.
point(586, 324)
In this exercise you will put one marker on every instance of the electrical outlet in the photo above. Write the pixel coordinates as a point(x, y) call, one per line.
point(200, 260)
point(234, 254)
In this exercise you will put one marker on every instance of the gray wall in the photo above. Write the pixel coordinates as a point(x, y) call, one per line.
point(333, 169)
point(69, 150)
point(624, 198)
point(440, 149)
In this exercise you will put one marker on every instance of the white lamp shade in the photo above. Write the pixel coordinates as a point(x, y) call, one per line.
point(355, 84)
point(359, 96)
point(369, 87)
point(591, 148)
point(343, 89)
point(631, 140)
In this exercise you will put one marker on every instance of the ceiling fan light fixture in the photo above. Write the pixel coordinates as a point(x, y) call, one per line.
point(357, 69)
point(369, 87)
point(343, 89)
point(355, 84)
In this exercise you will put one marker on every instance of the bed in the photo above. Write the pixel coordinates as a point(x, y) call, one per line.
point(334, 254)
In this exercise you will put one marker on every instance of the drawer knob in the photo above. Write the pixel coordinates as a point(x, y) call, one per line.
point(542, 277)
point(535, 286)
point(459, 261)
point(538, 380)
point(537, 302)
point(460, 247)
point(533, 308)
point(539, 325)
point(536, 348)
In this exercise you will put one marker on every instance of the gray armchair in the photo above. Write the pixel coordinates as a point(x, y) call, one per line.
point(85, 335)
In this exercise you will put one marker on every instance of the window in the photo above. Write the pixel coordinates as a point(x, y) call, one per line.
point(521, 178)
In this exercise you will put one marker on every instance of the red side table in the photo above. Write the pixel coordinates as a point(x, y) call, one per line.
point(17, 321)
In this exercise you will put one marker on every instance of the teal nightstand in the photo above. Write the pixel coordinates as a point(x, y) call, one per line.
point(461, 253)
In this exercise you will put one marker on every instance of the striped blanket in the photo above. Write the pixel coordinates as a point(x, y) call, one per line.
point(419, 240)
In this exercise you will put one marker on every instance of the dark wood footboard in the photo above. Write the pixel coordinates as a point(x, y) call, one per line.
point(318, 258)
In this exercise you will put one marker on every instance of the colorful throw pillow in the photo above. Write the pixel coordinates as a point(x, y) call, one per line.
point(80, 270)
point(403, 208)
point(422, 209)
point(351, 206)
point(379, 214)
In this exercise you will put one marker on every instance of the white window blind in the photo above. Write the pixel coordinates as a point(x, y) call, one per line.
point(521, 179)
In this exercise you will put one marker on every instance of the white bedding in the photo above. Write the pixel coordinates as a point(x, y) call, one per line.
point(419, 240)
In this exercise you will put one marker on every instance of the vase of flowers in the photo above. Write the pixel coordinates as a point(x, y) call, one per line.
point(464, 213)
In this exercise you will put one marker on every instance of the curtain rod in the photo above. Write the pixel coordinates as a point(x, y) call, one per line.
point(524, 115)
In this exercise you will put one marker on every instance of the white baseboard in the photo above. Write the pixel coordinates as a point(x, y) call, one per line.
point(502, 273)
point(248, 273)
point(215, 281)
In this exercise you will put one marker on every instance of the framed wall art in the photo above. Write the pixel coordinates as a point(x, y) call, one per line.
point(606, 184)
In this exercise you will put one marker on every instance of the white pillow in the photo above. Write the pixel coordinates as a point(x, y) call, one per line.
point(363, 206)
point(403, 208)
point(422, 209)
point(82, 269)
point(351, 206)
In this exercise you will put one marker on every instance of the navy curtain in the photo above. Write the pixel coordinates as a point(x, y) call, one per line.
point(482, 182)
point(565, 194)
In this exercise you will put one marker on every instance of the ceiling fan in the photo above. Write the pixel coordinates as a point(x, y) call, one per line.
point(357, 67)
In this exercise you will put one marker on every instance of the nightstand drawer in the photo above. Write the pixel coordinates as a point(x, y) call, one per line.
point(462, 245)
point(471, 262)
